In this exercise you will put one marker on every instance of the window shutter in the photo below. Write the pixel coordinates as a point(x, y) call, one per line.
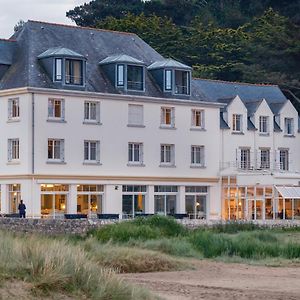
point(202, 156)
point(98, 112)
point(9, 109)
point(173, 116)
point(63, 109)
point(9, 150)
point(277, 159)
point(202, 119)
point(292, 126)
point(62, 150)
point(98, 151)
point(162, 115)
point(173, 154)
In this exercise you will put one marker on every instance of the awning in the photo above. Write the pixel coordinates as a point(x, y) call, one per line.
point(289, 192)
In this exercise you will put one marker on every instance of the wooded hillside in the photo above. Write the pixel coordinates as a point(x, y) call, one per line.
point(235, 40)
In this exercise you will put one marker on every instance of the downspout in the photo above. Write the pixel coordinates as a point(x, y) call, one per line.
point(32, 152)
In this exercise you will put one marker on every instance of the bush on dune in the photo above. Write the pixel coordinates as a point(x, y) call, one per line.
point(131, 260)
point(143, 229)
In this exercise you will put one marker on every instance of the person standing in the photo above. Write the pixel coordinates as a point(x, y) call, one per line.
point(22, 209)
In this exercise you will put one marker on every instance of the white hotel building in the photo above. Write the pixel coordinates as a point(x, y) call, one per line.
point(95, 123)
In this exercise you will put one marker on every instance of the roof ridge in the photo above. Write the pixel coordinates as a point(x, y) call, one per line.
point(236, 82)
point(81, 27)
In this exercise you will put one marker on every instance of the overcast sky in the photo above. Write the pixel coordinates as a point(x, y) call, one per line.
point(40, 10)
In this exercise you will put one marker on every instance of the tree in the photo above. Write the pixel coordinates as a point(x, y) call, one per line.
point(159, 32)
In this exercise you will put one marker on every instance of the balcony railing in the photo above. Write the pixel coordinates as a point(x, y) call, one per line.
point(135, 85)
point(253, 162)
point(181, 90)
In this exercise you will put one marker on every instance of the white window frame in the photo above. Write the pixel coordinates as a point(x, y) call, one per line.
point(13, 150)
point(287, 126)
point(264, 125)
point(58, 62)
point(235, 119)
point(284, 166)
point(163, 118)
point(52, 102)
point(61, 150)
point(198, 113)
point(164, 149)
point(136, 115)
point(89, 144)
point(13, 109)
point(135, 158)
point(88, 114)
point(265, 164)
point(168, 82)
point(197, 151)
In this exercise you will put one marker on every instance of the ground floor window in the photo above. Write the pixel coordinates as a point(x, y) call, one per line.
point(165, 199)
point(196, 202)
point(54, 200)
point(90, 200)
point(14, 197)
point(133, 200)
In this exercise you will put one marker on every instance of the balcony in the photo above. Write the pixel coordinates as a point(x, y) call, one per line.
point(252, 162)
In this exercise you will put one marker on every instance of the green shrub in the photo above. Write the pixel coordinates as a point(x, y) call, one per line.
point(143, 229)
point(174, 246)
point(291, 250)
point(234, 227)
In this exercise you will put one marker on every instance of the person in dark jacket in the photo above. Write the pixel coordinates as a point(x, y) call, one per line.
point(22, 209)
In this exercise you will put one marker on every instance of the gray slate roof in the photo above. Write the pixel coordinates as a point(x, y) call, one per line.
point(121, 58)
point(39, 39)
point(6, 51)
point(60, 52)
point(168, 63)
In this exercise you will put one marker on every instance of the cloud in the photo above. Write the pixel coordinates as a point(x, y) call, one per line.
point(41, 10)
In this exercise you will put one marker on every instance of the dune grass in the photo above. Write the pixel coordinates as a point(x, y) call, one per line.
point(233, 240)
point(56, 265)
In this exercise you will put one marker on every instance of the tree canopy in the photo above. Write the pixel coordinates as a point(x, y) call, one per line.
point(240, 40)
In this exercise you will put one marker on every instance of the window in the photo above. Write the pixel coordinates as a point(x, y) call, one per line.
point(120, 75)
point(135, 153)
point(168, 116)
point(135, 78)
point(56, 150)
point(135, 114)
point(167, 154)
point(197, 155)
point(91, 151)
point(168, 80)
point(289, 126)
point(165, 199)
point(56, 109)
point(237, 123)
point(91, 112)
point(182, 82)
point(284, 159)
point(198, 118)
point(264, 124)
point(13, 149)
point(74, 72)
point(58, 69)
point(265, 159)
point(13, 109)
point(245, 159)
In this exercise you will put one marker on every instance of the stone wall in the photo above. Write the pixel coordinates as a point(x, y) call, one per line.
point(62, 226)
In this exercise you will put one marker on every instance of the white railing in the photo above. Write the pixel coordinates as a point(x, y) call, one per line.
point(256, 164)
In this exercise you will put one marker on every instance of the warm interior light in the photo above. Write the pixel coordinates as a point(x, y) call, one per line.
point(197, 204)
point(63, 206)
point(49, 185)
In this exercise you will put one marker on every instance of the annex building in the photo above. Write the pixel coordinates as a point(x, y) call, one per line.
point(96, 123)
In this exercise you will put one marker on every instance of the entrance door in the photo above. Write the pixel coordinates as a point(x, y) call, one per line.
point(133, 205)
point(255, 209)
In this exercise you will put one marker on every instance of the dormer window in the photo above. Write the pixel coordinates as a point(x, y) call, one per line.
point(73, 72)
point(168, 80)
point(182, 80)
point(64, 65)
point(172, 76)
point(58, 69)
point(125, 72)
point(135, 78)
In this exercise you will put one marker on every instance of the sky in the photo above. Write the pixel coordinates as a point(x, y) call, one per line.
point(40, 10)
